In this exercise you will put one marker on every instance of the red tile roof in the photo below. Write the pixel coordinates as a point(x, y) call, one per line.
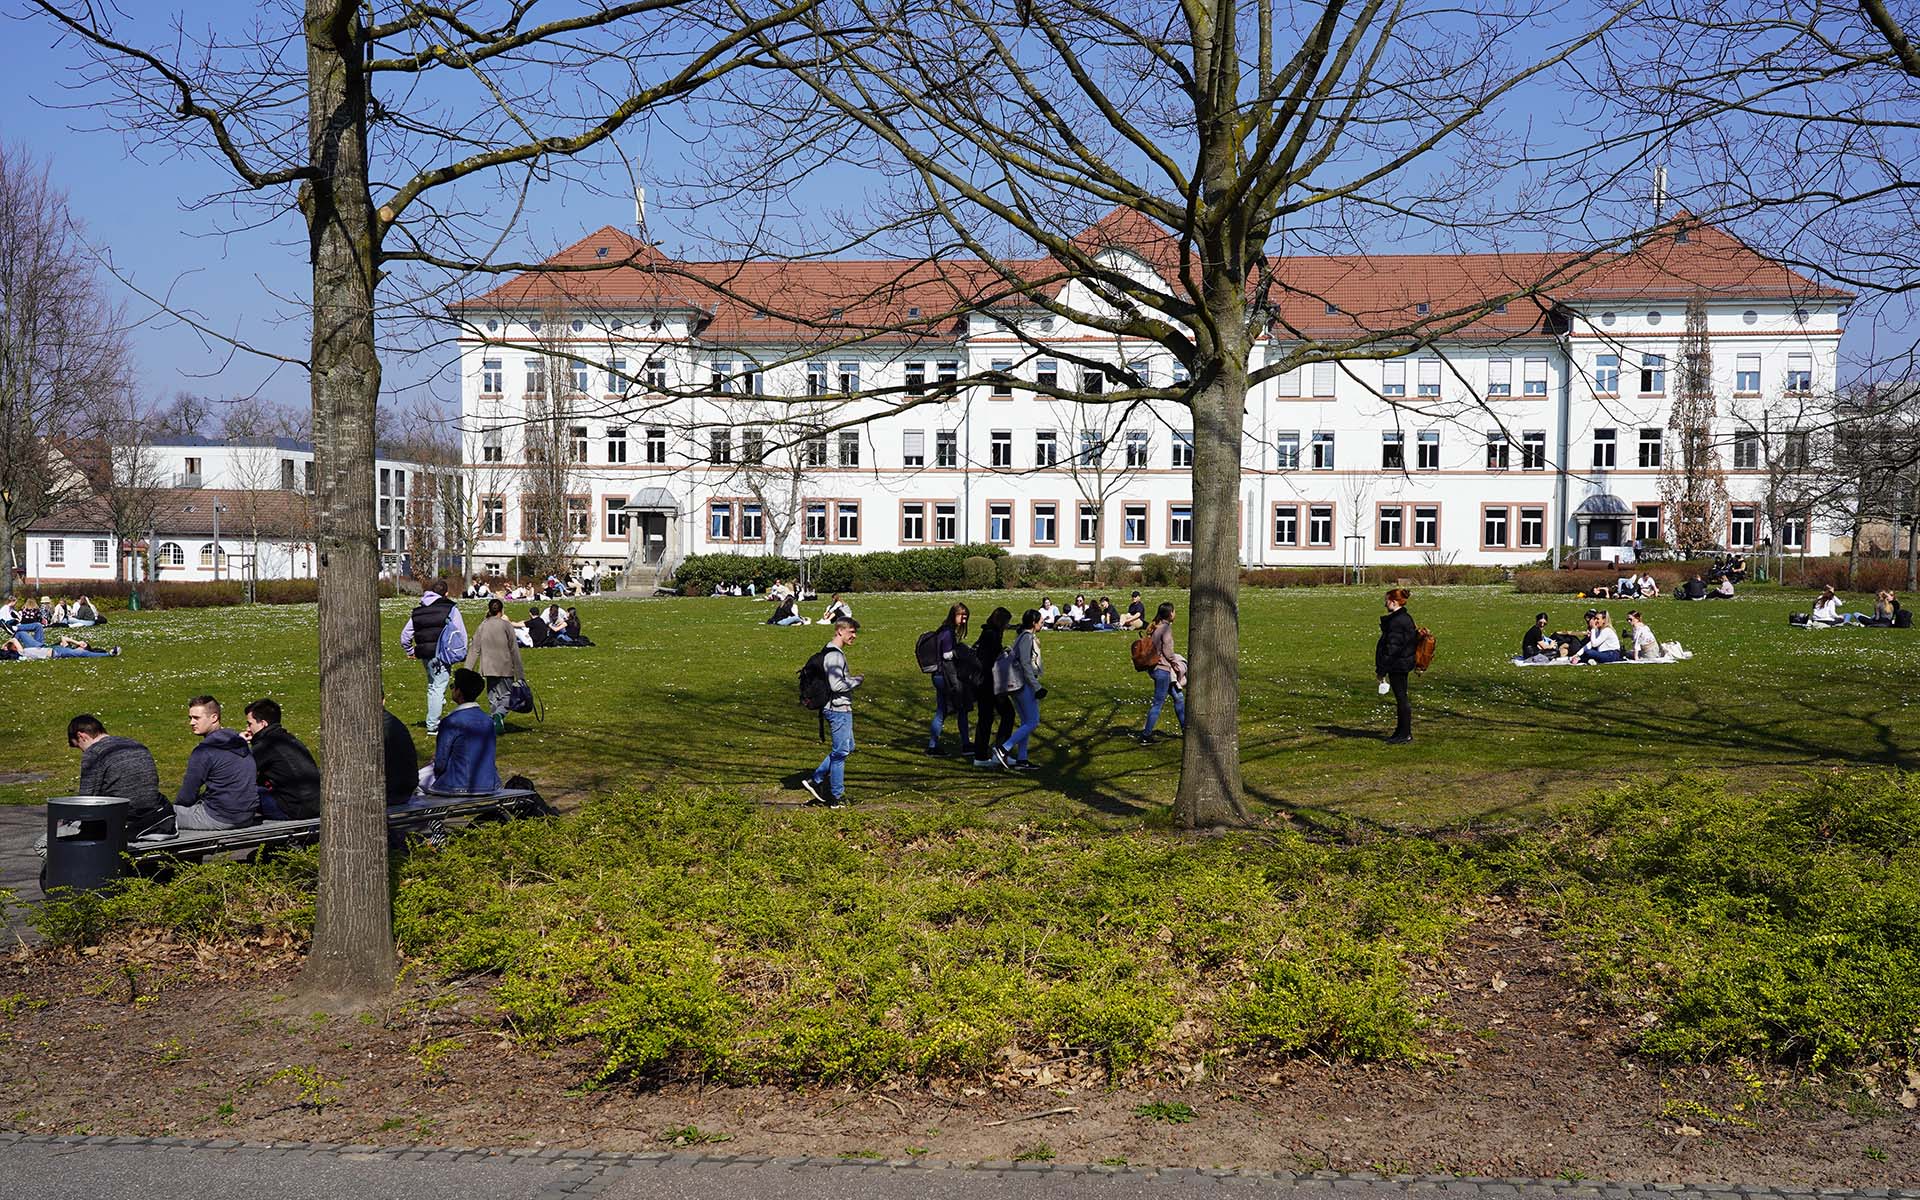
point(188, 512)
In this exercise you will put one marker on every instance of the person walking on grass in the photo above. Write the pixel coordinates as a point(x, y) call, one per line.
point(828, 783)
point(987, 651)
point(949, 690)
point(1023, 669)
point(495, 654)
point(436, 636)
point(1169, 674)
point(1393, 661)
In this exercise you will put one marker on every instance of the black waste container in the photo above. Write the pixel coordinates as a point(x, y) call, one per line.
point(89, 858)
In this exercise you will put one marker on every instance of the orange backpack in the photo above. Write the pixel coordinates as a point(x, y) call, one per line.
point(1423, 648)
point(1143, 659)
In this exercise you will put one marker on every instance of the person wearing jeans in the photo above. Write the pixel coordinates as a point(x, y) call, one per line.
point(994, 705)
point(436, 636)
point(828, 783)
point(1393, 661)
point(1169, 674)
point(1024, 668)
point(948, 692)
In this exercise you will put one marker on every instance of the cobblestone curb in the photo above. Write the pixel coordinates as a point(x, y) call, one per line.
point(589, 1171)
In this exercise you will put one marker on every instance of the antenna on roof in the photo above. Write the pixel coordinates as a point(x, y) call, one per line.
point(640, 210)
point(1659, 193)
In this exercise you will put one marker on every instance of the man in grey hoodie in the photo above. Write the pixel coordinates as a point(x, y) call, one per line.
point(219, 790)
point(111, 765)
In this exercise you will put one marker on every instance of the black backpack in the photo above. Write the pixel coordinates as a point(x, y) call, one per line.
point(815, 692)
point(926, 651)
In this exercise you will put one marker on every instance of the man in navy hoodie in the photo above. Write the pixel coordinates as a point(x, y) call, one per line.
point(218, 791)
point(463, 753)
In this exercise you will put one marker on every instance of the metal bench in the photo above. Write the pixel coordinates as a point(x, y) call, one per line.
point(415, 813)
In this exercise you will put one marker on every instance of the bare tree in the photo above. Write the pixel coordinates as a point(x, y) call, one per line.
point(62, 349)
point(1098, 458)
point(127, 481)
point(554, 440)
point(1693, 482)
point(358, 117)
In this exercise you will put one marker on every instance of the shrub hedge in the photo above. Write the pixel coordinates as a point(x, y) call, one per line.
point(110, 595)
point(937, 569)
point(1872, 575)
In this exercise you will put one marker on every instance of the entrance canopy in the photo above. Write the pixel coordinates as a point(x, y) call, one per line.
point(653, 499)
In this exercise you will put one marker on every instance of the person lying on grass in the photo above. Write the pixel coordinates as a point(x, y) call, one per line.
point(14, 649)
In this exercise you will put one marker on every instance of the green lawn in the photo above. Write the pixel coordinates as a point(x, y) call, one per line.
point(701, 691)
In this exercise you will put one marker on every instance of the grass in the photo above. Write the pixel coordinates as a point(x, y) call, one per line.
point(698, 690)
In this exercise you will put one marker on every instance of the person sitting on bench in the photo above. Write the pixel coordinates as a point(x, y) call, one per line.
point(219, 790)
point(402, 759)
point(288, 777)
point(119, 766)
point(463, 752)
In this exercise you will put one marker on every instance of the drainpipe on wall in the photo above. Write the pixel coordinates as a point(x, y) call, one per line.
point(1561, 515)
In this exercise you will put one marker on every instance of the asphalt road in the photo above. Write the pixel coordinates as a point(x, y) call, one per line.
point(106, 1168)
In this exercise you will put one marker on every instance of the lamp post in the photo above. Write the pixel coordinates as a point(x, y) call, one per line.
point(218, 556)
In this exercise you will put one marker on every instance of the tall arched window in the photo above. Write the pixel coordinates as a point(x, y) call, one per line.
point(207, 553)
point(171, 555)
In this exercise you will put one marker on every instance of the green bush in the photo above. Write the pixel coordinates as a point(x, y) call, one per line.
point(935, 569)
point(111, 596)
point(697, 573)
point(1113, 572)
point(1157, 570)
point(1872, 574)
point(1281, 577)
point(978, 573)
point(1011, 569)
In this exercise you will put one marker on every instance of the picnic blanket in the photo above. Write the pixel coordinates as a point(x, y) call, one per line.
point(1567, 662)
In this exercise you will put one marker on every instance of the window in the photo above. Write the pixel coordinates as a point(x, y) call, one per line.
point(816, 450)
point(212, 553)
point(493, 516)
point(946, 523)
point(286, 474)
point(720, 445)
point(1000, 522)
point(915, 376)
point(579, 517)
point(1533, 450)
point(1093, 447)
point(1286, 451)
point(617, 382)
point(1426, 525)
point(56, 552)
point(1603, 448)
point(1646, 522)
point(720, 377)
point(493, 378)
point(616, 443)
point(1430, 377)
point(1393, 451)
point(1089, 527)
point(1793, 533)
point(1320, 525)
point(657, 374)
point(846, 520)
point(1133, 524)
point(1093, 381)
point(536, 377)
point(1286, 525)
point(386, 481)
point(1139, 449)
point(947, 373)
point(577, 443)
point(913, 521)
point(1002, 379)
point(913, 448)
point(946, 448)
point(1796, 451)
point(849, 378)
point(1651, 441)
point(750, 378)
point(813, 526)
point(1323, 379)
point(849, 447)
point(1391, 516)
point(1046, 373)
point(1533, 527)
point(1653, 374)
point(1046, 448)
point(1606, 374)
point(577, 375)
point(1322, 450)
point(1746, 373)
point(618, 519)
point(1799, 372)
point(1429, 448)
point(1499, 377)
point(102, 552)
point(171, 555)
point(1182, 449)
point(656, 445)
point(752, 527)
point(1493, 526)
point(1534, 378)
point(1394, 377)
point(1180, 525)
point(306, 470)
point(816, 379)
point(490, 448)
point(753, 446)
point(1497, 449)
point(1741, 531)
point(193, 472)
point(1746, 450)
point(719, 521)
point(1000, 448)
point(1046, 524)
point(1287, 383)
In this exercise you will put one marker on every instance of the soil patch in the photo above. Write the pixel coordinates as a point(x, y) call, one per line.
point(1527, 1078)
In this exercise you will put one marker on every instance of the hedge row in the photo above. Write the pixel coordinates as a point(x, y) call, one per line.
point(941, 569)
point(1872, 575)
point(111, 595)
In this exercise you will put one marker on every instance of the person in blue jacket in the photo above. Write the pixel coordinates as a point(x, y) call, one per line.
point(463, 751)
point(219, 789)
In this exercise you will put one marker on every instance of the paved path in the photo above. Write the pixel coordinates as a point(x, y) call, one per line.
point(73, 1168)
point(19, 865)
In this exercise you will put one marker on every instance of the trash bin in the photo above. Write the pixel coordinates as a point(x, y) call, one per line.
point(133, 600)
point(91, 857)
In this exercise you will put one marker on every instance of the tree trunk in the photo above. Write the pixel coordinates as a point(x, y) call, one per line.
point(7, 560)
point(1853, 550)
point(1913, 549)
point(1210, 754)
point(352, 958)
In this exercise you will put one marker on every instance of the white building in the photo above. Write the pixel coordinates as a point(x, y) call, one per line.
point(1541, 419)
point(221, 509)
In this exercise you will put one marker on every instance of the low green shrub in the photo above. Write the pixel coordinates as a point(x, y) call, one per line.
point(1548, 582)
point(1113, 572)
point(111, 596)
point(698, 573)
point(1157, 570)
point(1870, 575)
point(1280, 577)
point(978, 573)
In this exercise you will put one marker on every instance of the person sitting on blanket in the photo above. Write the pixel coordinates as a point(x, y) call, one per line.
point(1627, 585)
point(1886, 609)
point(1645, 646)
point(1826, 610)
point(1723, 590)
point(1535, 644)
point(1692, 589)
point(1603, 644)
point(1649, 586)
point(463, 751)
